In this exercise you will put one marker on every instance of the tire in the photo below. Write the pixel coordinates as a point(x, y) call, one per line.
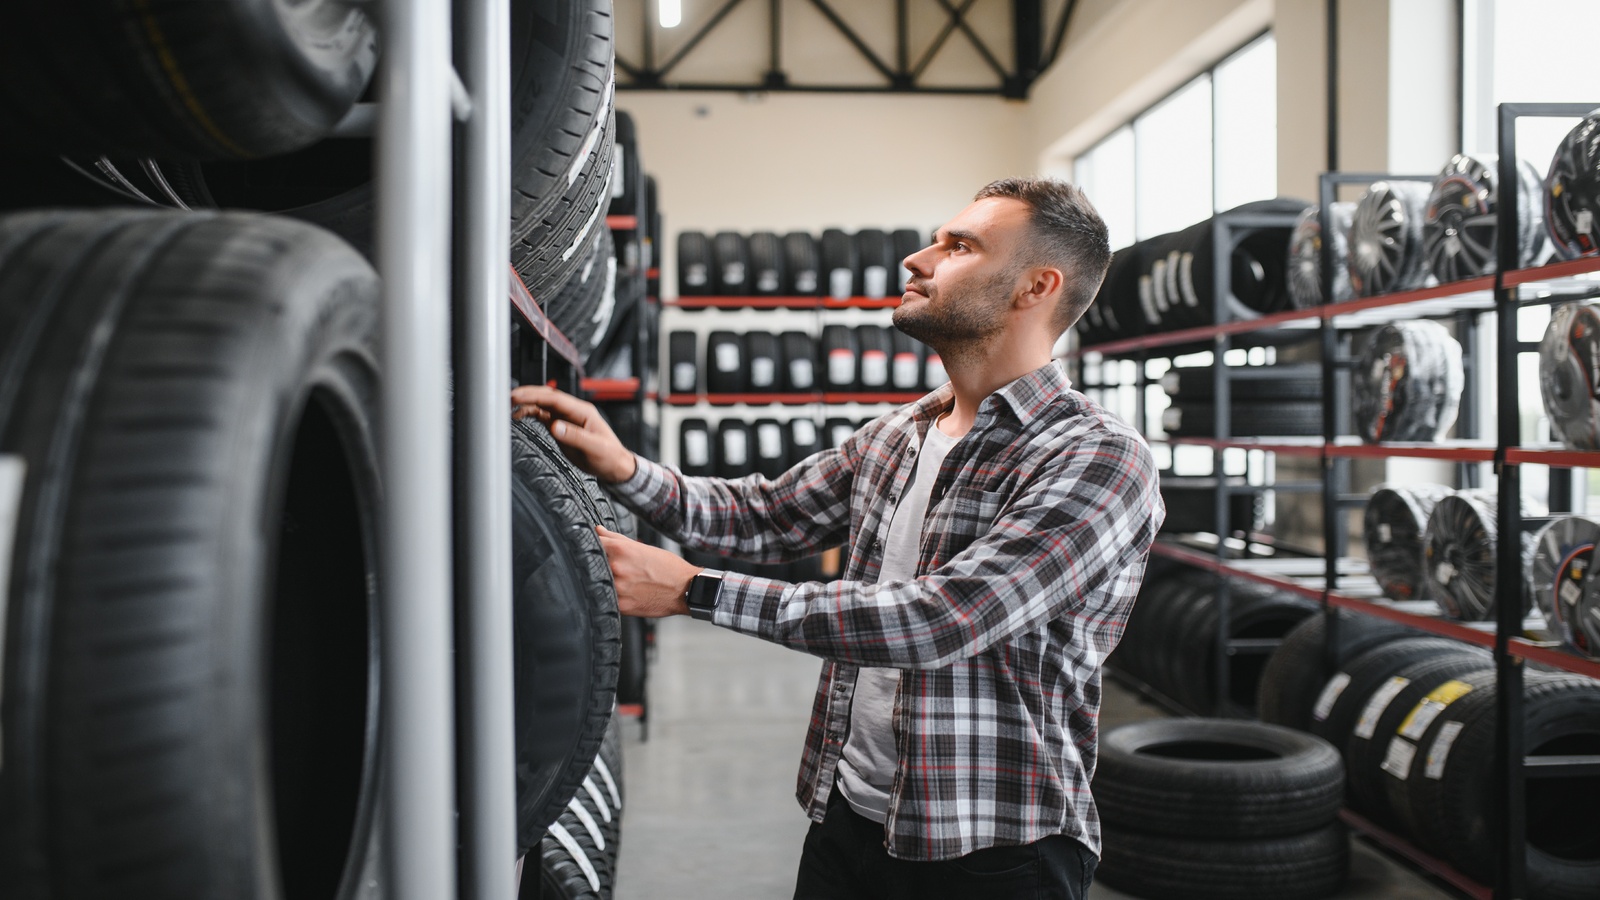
point(194, 395)
point(1255, 613)
point(1296, 867)
point(1215, 778)
point(561, 151)
point(904, 242)
point(1392, 527)
point(181, 80)
point(1568, 353)
point(727, 365)
point(1189, 506)
point(874, 359)
point(1406, 383)
point(803, 438)
point(1245, 419)
point(771, 449)
point(767, 271)
point(1291, 381)
point(804, 264)
point(694, 264)
point(800, 361)
point(730, 266)
point(875, 256)
point(627, 188)
point(586, 307)
point(683, 369)
point(1345, 696)
point(1368, 746)
point(735, 449)
point(1298, 670)
point(578, 857)
point(905, 361)
point(1305, 256)
point(836, 430)
point(841, 358)
point(840, 265)
point(1572, 191)
point(566, 626)
point(696, 454)
point(633, 671)
point(764, 362)
point(1386, 251)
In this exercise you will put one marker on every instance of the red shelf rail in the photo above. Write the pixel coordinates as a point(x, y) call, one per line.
point(794, 399)
point(610, 389)
point(1418, 857)
point(802, 303)
point(1351, 448)
point(622, 223)
point(1563, 269)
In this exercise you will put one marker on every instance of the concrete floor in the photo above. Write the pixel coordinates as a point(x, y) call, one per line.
point(710, 810)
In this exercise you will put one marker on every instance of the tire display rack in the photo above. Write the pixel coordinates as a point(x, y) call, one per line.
point(1501, 295)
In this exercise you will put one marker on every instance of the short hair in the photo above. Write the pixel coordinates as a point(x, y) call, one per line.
point(1067, 233)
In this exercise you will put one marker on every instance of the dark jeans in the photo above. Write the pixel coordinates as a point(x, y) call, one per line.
point(844, 859)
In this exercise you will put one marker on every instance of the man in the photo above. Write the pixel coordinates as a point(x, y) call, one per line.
point(998, 530)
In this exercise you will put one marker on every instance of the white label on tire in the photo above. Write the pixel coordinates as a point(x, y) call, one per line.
point(763, 371)
point(733, 273)
point(767, 281)
point(1385, 532)
point(936, 372)
point(576, 852)
point(1444, 572)
point(841, 366)
point(1397, 761)
point(769, 440)
point(1422, 715)
point(695, 275)
point(1186, 279)
point(727, 357)
point(735, 448)
point(800, 374)
point(1330, 695)
point(1367, 725)
point(805, 281)
point(1439, 753)
point(697, 448)
point(683, 377)
point(874, 368)
point(805, 431)
point(840, 282)
point(905, 371)
point(1171, 418)
point(618, 152)
point(841, 433)
point(12, 470)
point(875, 281)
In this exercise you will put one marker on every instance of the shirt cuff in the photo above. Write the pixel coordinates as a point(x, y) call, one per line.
point(649, 487)
point(750, 605)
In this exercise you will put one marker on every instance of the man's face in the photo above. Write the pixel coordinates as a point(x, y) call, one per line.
point(961, 285)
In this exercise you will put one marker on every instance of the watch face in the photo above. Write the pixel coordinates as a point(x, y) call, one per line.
point(703, 591)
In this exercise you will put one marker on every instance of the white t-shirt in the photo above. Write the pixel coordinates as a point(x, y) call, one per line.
point(867, 766)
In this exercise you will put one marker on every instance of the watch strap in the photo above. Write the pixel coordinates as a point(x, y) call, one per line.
point(704, 591)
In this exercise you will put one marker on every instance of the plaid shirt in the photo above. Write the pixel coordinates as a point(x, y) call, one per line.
point(1032, 551)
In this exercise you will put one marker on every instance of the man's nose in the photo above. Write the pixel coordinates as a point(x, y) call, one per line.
point(921, 262)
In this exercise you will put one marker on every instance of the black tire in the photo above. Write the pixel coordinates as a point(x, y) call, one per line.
point(763, 362)
point(194, 396)
point(1245, 419)
point(875, 257)
point(804, 264)
point(567, 629)
point(683, 362)
point(730, 267)
point(803, 438)
point(1297, 671)
point(735, 449)
point(727, 365)
point(585, 308)
point(1572, 191)
point(633, 670)
point(836, 430)
point(873, 363)
point(1411, 801)
point(697, 453)
point(1368, 746)
point(905, 361)
point(1343, 699)
point(770, 447)
point(550, 244)
point(767, 271)
point(1392, 527)
point(904, 242)
point(1289, 381)
point(1189, 506)
point(1386, 251)
point(800, 361)
point(1295, 867)
point(627, 187)
point(841, 358)
point(1255, 613)
point(694, 265)
point(1305, 256)
point(1216, 778)
point(1406, 383)
point(181, 80)
point(840, 265)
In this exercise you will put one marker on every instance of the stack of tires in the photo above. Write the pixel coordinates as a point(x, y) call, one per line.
point(1208, 809)
point(1414, 718)
point(1170, 644)
point(1279, 400)
point(838, 264)
point(864, 358)
point(187, 450)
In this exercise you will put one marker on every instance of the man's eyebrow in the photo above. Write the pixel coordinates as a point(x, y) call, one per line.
point(958, 234)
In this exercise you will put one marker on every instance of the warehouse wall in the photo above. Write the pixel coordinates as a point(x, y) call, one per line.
point(810, 161)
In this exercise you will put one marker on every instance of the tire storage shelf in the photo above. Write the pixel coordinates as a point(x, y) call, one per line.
point(1343, 585)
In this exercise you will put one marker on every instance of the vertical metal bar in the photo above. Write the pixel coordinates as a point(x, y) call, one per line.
point(1332, 96)
point(774, 41)
point(1511, 873)
point(902, 39)
point(1222, 405)
point(413, 235)
point(483, 448)
point(648, 38)
point(1331, 489)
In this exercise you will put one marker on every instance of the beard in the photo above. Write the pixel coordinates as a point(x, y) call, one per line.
point(962, 322)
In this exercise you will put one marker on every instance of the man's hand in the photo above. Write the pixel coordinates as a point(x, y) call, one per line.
point(651, 582)
point(580, 430)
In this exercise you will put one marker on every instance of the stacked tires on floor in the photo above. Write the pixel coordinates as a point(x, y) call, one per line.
point(189, 490)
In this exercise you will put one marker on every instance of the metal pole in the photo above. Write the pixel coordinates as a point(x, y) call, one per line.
point(483, 446)
point(413, 240)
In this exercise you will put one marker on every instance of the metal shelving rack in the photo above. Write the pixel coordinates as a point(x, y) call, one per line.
point(1501, 294)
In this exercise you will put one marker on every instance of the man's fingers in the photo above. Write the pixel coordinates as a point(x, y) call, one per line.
point(561, 403)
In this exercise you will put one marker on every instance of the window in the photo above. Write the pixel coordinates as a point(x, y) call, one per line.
point(1523, 52)
point(1210, 145)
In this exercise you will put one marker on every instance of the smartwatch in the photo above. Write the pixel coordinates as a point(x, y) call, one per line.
point(704, 590)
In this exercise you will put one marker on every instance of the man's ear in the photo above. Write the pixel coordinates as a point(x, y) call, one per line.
point(1040, 286)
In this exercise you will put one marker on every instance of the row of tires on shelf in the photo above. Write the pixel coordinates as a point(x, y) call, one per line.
point(1411, 716)
point(842, 358)
point(1431, 542)
point(839, 264)
point(1397, 237)
point(735, 448)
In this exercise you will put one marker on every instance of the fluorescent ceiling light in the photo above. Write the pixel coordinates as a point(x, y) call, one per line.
point(671, 13)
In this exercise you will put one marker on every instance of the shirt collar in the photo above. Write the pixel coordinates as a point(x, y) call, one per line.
point(1026, 396)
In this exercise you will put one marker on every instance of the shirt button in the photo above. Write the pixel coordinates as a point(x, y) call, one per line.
point(893, 499)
